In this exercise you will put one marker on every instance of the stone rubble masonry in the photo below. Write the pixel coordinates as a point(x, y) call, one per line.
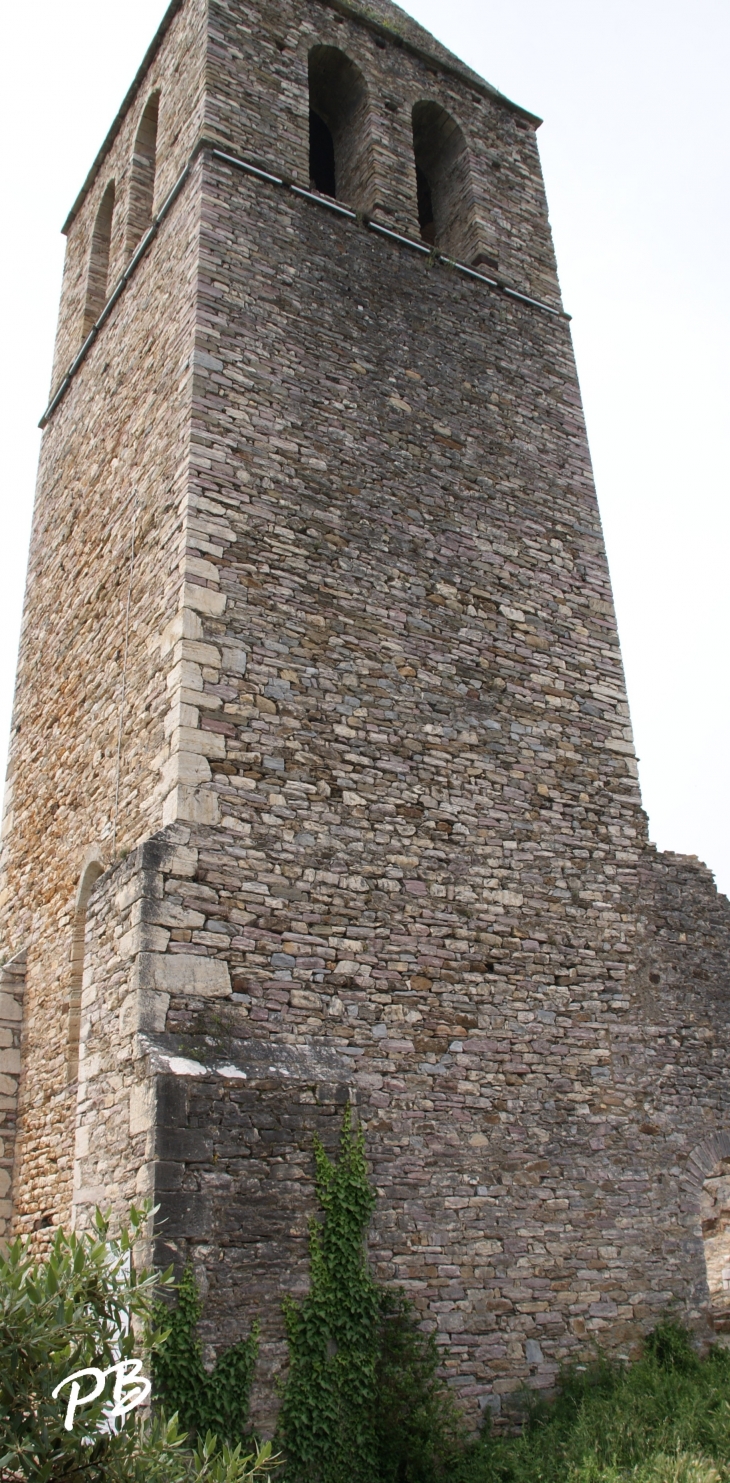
point(319, 663)
point(12, 986)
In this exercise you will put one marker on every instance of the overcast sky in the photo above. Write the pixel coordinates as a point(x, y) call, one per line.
point(635, 154)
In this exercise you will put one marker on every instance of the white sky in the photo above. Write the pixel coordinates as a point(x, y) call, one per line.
point(635, 153)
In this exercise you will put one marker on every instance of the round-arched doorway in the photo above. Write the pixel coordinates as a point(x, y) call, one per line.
point(715, 1219)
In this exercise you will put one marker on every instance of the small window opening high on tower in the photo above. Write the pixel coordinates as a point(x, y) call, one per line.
point(142, 175)
point(321, 156)
point(443, 179)
point(101, 237)
point(425, 207)
point(339, 143)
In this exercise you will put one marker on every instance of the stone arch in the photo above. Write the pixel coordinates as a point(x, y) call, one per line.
point(142, 175)
point(707, 1182)
point(92, 868)
point(443, 180)
point(715, 1221)
point(339, 129)
point(98, 272)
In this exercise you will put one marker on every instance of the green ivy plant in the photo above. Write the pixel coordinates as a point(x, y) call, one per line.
point(327, 1415)
point(215, 1401)
point(363, 1401)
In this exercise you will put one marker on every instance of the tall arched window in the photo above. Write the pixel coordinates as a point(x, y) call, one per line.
point(443, 179)
point(90, 875)
point(142, 175)
point(101, 237)
point(339, 142)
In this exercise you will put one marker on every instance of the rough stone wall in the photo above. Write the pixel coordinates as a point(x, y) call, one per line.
point(540, 1158)
point(113, 471)
point(683, 994)
point(178, 71)
point(217, 1128)
point(12, 986)
point(234, 1189)
point(267, 121)
point(378, 777)
point(122, 1004)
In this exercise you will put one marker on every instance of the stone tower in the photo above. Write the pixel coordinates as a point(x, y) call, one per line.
point(322, 784)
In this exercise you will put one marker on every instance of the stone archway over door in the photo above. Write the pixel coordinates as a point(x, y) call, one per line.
point(706, 1200)
point(715, 1219)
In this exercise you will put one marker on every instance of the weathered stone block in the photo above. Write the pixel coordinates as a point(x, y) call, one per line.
point(182, 973)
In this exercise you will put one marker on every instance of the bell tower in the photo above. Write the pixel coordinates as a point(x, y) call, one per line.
point(322, 783)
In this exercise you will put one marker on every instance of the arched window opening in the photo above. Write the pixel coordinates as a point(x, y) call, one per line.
point(142, 175)
point(321, 156)
point(339, 141)
point(425, 207)
point(78, 940)
point(443, 179)
point(715, 1217)
point(101, 238)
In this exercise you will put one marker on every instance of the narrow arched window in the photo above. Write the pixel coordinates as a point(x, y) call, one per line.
point(76, 976)
point(339, 141)
point(101, 237)
point(443, 179)
point(142, 175)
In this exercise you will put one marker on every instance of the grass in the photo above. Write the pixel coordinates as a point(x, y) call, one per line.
point(663, 1419)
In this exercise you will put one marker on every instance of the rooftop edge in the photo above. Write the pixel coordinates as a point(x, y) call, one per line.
point(352, 12)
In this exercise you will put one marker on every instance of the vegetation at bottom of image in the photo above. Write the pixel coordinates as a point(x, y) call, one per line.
point(663, 1419)
point(85, 1305)
point(364, 1403)
point(363, 1400)
point(205, 1401)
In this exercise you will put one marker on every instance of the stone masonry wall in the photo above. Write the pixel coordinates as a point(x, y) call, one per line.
point(177, 70)
point(12, 987)
point(267, 122)
point(113, 472)
point(429, 771)
point(378, 784)
point(528, 1204)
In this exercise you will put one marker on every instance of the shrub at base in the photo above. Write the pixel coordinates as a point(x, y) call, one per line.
point(85, 1306)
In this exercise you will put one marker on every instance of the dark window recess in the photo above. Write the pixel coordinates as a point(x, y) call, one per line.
point(96, 283)
point(321, 156)
point(444, 189)
point(142, 175)
point(425, 207)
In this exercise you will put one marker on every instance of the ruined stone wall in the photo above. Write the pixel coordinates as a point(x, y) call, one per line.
point(683, 993)
point(539, 1158)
